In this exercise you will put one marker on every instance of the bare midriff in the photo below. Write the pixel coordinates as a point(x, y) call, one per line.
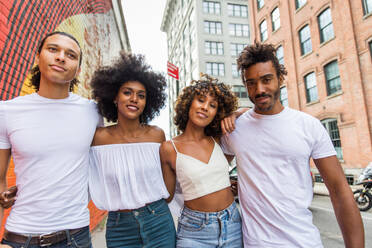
point(212, 202)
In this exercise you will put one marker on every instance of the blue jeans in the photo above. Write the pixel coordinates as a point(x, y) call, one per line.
point(210, 229)
point(150, 226)
point(80, 239)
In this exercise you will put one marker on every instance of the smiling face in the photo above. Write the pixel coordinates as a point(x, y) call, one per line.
point(263, 85)
point(131, 100)
point(58, 60)
point(203, 109)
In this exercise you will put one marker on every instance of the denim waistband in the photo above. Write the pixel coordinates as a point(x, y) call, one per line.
point(227, 212)
point(148, 209)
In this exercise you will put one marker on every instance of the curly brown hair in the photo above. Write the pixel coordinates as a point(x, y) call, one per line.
point(257, 53)
point(227, 103)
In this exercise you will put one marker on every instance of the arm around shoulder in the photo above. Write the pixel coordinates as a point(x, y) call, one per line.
point(167, 165)
point(346, 211)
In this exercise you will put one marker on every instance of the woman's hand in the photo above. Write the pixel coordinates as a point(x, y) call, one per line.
point(228, 123)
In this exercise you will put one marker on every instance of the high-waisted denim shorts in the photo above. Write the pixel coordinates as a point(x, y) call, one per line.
point(210, 229)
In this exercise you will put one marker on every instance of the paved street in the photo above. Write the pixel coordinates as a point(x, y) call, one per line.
point(324, 219)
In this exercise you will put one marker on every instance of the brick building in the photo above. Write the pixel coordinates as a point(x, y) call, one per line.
point(98, 25)
point(326, 46)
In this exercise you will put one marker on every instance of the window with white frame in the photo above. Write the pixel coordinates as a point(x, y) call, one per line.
point(263, 30)
point(284, 96)
point(275, 18)
point(300, 3)
point(332, 76)
point(325, 25)
point(211, 27)
point(311, 89)
point(260, 4)
point(305, 40)
point(213, 47)
point(240, 91)
point(240, 30)
point(236, 48)
point(215, 69)
point(237, 10)
point(211, 7)
point(234, 71)
point(367, 7)
point(332, 129)
point(280, 54)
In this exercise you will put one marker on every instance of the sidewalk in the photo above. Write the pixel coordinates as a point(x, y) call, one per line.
point(98, 235)
point(321, 189)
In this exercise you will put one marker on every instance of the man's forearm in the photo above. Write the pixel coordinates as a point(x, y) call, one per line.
point(348, 218)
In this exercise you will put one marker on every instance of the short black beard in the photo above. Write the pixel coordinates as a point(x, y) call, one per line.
point(270, 107)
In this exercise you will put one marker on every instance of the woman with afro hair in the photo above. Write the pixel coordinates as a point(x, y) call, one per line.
point(210, 217)
point(125, 174)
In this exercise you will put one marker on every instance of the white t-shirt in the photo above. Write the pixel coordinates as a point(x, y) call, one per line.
point(275, 187)
point(49, 141)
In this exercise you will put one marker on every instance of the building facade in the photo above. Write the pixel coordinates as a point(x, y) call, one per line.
point(205, 36)
point(326, 46)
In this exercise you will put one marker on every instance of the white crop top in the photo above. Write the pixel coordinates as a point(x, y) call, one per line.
point(197, 178)
point(125, 176)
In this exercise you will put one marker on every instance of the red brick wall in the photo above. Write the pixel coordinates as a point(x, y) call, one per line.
point(353, 106)
point(94, 23)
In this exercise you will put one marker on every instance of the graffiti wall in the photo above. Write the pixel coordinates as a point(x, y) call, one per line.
point(98, 25)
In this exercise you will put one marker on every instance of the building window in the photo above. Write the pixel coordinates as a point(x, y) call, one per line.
point(237, 10)
point(216, 69)
point(325, 25)
point(214, 48)
point(260, 4)
point(284, 96)
point(263, 30)
point(305, 40)
point(211, 7)
point(275, 18)
point(300, 3)
point(234, 71)
point(332, 76)
point(212, 27)
point(311, 89)
point(240, 30)
point(367, 6)
point(370, 47)
point(236, 48)
point(332, 129)
point(240, 91)
point(280, 54)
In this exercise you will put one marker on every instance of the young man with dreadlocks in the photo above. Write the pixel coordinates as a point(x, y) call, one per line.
point(273, 145)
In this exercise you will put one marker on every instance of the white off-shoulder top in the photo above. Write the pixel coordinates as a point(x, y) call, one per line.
point(125, 176)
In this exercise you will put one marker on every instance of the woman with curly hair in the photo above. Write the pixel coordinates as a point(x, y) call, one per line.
point(125, 171)
point(210, 217)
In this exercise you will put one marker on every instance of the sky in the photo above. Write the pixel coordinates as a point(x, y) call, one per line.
point(143, 20)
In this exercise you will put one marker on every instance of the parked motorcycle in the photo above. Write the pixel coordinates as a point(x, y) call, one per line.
point(363, 197)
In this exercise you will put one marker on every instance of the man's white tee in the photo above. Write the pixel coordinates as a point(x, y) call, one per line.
point(275, 187)
point(49, 141)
